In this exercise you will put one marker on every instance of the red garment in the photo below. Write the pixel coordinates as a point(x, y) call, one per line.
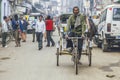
point(49, 25)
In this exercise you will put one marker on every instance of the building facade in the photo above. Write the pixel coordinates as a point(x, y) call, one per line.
point(5, 9)
point(0, 10)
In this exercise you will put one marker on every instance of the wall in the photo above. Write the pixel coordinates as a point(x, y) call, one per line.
point(0, 11)
point(5, 9)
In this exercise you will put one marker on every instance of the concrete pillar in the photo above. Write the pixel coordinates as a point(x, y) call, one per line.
point(5, 9)
point(0, 10)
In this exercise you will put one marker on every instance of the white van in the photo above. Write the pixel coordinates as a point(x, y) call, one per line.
point(109, 27)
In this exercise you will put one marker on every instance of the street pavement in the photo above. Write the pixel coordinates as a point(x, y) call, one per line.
point(28, 63)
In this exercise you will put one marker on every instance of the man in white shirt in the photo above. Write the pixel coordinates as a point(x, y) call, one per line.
point(40, 29)
point(4, 31)
point(34, 29)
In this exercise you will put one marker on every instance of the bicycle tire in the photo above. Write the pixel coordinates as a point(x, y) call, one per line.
point(90, 57)
point(57, 54)
point(60, 44)
point(76, 61)
point(89, 54)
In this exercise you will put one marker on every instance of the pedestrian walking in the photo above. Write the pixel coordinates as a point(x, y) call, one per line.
point(4, 31)
point(10, 29)
point(23, 25)
point(40, 29)
point(49, 29)
point(34, 33)
point(16, 30)
point(9, 23)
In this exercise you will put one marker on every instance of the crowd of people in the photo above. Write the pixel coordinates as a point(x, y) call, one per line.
point(18, 26)
point(42, 28)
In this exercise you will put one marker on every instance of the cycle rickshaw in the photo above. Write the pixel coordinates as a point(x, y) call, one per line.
point(61, 48)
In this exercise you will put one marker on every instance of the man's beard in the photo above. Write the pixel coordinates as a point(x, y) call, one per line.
point(76, 14)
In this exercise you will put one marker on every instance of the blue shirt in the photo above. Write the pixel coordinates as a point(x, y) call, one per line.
point(14, 25)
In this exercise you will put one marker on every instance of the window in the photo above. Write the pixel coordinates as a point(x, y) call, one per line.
point(31, 18)
point(116, 14)
point(64, 18)
point(103, 16)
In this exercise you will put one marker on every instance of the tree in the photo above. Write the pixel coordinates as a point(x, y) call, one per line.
point(118, 1)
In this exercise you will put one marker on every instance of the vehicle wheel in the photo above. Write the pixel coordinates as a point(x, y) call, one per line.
point(90, 57)
point(76, 65)
point(76, 62)
point(104, 47)
point(60, 47)
point(119, 44)
point(57, 56)
point(89, 54)
point(60, 44)
point(95, 40)
point(99, 45)
point(98, 42)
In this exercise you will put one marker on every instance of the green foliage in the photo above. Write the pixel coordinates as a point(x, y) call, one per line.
point(118, 1)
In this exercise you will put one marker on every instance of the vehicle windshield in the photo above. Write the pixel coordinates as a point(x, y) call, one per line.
point(116, 14)
point(64, 17)
point(31, 18)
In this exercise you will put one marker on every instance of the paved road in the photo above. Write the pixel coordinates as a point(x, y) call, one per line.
point(28, 63)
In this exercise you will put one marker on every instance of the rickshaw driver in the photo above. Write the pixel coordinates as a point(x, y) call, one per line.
point(76, 27)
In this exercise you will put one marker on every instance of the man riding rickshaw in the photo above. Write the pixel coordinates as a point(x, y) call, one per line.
point(73, 36)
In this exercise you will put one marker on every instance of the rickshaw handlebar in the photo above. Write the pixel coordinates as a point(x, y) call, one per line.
point(75, 37)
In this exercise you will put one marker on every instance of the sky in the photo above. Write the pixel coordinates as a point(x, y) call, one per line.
point(38, 0)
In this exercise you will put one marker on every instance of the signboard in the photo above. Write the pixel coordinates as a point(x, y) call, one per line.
point(87, 4)
point(20, 9)
point(27, 5)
